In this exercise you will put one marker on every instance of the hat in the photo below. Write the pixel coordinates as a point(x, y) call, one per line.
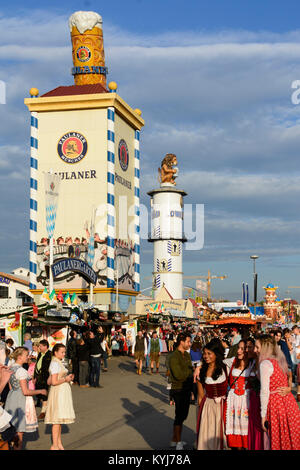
point(235, 329)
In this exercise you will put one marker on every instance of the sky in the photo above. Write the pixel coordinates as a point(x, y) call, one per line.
point(214, 82)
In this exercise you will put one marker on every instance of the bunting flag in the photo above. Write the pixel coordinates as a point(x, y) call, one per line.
point(60, 297)
point(35, 311)
point(74, 300)
point(45, 295)
point(91, 247)
point(52, 183)
point(67, 299)
point(53, 297)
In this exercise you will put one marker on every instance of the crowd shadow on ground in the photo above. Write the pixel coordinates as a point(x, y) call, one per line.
point(128, 364)
point(150, 390)
point(157, 424)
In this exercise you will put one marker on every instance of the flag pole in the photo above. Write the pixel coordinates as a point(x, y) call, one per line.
point(92, 230)
point(91, 292)
point(50, 267)
point(117, 288)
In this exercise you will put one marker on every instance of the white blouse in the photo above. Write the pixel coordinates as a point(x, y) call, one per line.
point(210, 380)
point(266, 369)
point(54, 367)
point(21, 374)
point(250, 371)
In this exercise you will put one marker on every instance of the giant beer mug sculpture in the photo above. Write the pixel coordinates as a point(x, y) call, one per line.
point(88, 50)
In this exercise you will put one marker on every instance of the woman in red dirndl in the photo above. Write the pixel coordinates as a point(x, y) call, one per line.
point(279, 410)
point(238, 398)
point(212, 387)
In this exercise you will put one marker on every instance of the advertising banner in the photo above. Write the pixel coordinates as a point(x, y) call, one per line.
point(57, 335)
point(13, 330)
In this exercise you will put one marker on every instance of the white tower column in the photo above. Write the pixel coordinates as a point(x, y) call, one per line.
point(168, 238)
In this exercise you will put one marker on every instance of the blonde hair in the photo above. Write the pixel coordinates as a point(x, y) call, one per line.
point(18, 352)
point(271, 350)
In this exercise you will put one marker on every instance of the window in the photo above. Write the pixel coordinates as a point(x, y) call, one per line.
point(3, 292)
point(26, 299)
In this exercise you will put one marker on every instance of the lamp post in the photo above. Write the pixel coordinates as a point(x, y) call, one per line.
point(254, 257)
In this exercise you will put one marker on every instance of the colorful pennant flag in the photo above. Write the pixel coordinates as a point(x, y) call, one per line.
point(45, 295)
point(74, 300)
point(67, 299)
point(53, 297)
point(60, 297)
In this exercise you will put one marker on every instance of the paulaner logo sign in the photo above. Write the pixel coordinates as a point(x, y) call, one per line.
point(72, 147)
point(79, 266)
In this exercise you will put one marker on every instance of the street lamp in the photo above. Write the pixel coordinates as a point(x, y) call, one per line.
point(254, 257)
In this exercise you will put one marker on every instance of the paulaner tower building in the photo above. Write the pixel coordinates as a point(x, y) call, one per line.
point(167, 230)
point(89, 136)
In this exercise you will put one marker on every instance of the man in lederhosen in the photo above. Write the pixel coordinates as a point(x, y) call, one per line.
point(139, 351)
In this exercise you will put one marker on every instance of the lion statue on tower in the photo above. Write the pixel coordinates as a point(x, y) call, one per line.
point(168, 170)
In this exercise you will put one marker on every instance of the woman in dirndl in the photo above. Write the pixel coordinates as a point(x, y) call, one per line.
point(238, 398)
point(60, 403)
point(280, 415)
point(256, 436)
point(19, 403)
point(212, 387)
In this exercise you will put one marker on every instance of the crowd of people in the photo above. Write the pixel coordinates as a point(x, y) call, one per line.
point(241, 382)
point(48, 381)
point(32, 376)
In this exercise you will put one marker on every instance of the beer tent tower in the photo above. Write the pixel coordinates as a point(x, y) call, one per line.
point(88, 135)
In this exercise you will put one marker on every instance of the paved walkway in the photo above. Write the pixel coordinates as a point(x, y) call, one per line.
point(131, 412)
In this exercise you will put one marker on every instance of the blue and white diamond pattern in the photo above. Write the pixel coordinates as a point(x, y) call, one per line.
point(51, 210)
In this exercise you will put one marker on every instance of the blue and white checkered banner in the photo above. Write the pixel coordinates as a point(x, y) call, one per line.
point(52, 184)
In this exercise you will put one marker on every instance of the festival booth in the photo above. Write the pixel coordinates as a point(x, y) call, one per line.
point(41, 322)
point(234, 317)
point(164, 311)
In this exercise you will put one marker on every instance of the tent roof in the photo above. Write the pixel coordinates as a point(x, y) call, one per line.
point(163, 294)
point(233, 320)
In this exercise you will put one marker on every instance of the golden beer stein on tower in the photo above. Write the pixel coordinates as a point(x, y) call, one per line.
point(88, 50)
